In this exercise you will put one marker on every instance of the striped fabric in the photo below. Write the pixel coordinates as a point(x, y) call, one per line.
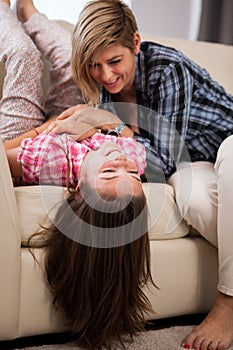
point(183, 114)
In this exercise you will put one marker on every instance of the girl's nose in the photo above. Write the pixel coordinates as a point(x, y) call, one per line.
point(122, 157)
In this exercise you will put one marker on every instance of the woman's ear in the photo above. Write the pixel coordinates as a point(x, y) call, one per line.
point(137, 42)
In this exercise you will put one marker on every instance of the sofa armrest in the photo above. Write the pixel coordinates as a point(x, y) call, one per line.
point(10, 244)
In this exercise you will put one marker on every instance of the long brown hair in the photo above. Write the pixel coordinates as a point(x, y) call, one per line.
point(99, 288)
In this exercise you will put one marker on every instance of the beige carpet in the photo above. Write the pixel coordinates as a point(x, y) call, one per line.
point(162, 339)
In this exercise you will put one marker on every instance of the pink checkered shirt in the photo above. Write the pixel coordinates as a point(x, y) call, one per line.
point(46, 158)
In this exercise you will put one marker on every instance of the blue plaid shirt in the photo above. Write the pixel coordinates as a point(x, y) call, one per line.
point(183, 114)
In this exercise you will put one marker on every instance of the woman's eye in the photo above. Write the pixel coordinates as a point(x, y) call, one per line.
point(115, 62)
point(133, 172)
point(93, 65)
point(108, 171)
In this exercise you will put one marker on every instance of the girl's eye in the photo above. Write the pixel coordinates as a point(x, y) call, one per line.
point(133, 172)
point(108, 171)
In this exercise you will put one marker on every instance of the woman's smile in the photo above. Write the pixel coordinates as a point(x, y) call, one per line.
point(114, 68)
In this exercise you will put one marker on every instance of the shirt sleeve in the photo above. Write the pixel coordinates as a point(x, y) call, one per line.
point(51, 159)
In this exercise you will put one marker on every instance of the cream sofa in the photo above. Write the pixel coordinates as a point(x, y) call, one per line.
point(184, 265)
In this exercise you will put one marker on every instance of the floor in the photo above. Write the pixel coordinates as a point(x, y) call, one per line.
point(65, 337)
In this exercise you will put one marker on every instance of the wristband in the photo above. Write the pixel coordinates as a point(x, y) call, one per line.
point(37, 132)
point(117, 131)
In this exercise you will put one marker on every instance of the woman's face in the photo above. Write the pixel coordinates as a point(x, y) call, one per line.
point(114, 67)
point(110, 171)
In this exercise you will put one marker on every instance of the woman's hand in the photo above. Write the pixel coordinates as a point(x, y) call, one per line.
point(71, 120)
point(96, 117)
point(83, 121)
point(70, 111)
point(75, 129)
point(67, 122)
point(101, 119)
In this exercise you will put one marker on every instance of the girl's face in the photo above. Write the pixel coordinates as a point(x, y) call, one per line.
point(110, 171)
point(114, 67)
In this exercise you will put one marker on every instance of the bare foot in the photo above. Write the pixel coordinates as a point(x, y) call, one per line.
point(216, 331)
point(25, 9)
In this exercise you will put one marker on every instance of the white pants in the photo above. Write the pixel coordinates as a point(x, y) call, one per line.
point(23, 105)
point(204, 195)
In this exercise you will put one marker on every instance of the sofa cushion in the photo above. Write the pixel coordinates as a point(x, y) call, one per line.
point(37, 206)
point(165, 219)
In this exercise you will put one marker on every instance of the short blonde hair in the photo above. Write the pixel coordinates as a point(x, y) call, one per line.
point(101, 23)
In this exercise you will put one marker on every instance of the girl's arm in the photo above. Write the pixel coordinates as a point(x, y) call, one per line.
point(16, 142)
point(15, 166)
point(12, 147)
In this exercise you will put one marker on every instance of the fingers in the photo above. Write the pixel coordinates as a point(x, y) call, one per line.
point(83, 116)
point(49, 128)
point(77, 130)
point(68, 112)
point(84, 113)
point(84, 136)
point(58, 127)
point(85, 131)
